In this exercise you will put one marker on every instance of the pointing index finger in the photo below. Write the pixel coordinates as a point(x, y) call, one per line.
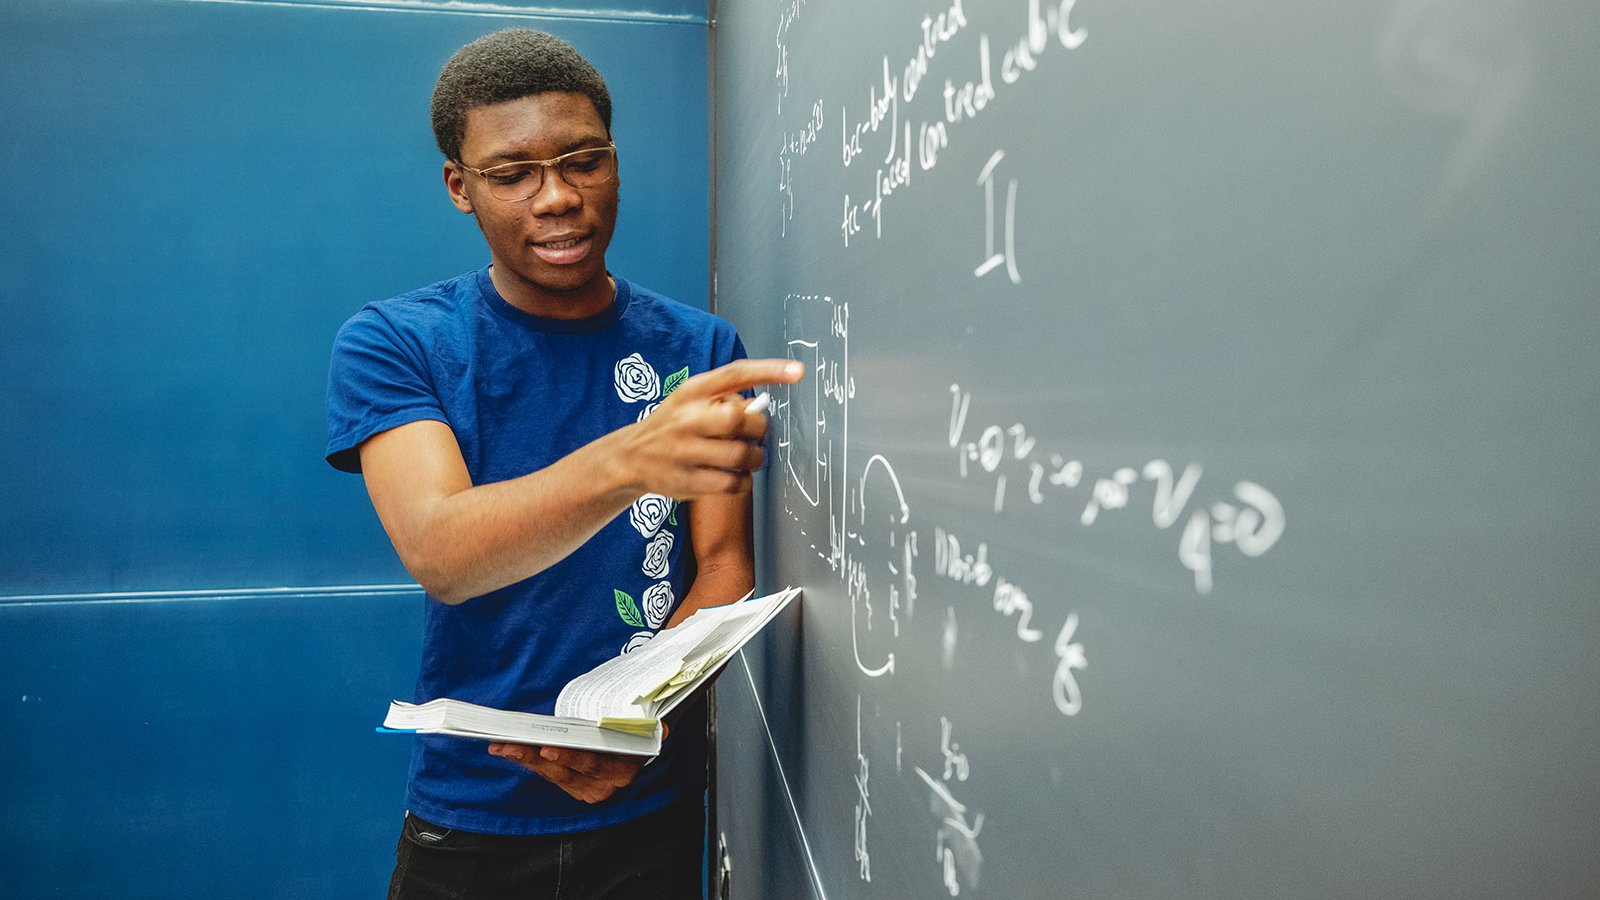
point(741, 374)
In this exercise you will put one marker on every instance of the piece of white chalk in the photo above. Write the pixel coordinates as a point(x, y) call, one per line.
point(759, 404)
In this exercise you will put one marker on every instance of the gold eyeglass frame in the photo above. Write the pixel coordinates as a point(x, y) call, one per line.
point(544, 166)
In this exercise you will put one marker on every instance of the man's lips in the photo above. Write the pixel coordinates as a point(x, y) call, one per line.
point(564, 250)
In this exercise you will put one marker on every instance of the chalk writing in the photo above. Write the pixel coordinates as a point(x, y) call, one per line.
point(794, 144)
point(947, 639)
point(863, 803)
point(960, 102)
point(851, 225)
point(1254, 528)
point(937, 98)
point(1070, 656)
point(936, 30)
point(786, 17)
point(965, 102)
point(974, 569)
point(956, 849)
point(1009, 599)
point(1254, 525)
point(868, 517)
point(1023, 56)
point(883, 105)
point(893, 175)
point(955, 762)
point(993, 258)
point(949, 561)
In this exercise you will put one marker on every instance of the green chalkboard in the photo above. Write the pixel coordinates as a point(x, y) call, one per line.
point(1196, 491)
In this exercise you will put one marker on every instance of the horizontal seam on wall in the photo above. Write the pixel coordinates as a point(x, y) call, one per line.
point(324, 592)
point(478, 9)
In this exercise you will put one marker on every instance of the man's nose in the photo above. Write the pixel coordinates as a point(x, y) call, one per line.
point(554, 196)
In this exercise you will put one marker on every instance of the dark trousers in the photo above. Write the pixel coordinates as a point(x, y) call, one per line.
point(657, 856)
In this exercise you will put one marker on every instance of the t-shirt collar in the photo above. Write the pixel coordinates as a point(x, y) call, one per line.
point(597, 322)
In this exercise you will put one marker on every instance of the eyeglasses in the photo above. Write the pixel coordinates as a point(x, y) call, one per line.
point(590, 167)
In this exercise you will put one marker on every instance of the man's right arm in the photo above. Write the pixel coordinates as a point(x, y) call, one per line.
point(460, 540)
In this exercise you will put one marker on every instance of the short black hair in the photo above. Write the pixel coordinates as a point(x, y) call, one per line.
point(507, 65)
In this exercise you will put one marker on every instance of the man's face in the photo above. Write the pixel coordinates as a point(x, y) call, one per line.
point(548, 250)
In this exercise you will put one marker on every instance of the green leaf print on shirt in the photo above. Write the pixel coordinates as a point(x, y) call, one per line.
point(627, 609)
point(673, 380)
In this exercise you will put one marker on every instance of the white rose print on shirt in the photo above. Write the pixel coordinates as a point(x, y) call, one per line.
point(657, 603)
point(656, 553)
point(635, 380)
point(649, 513)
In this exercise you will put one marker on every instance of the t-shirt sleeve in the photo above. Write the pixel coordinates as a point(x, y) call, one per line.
point(376, 381)
point(735, 347)
point(726, 347)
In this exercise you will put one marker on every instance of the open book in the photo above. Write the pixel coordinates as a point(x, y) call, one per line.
point(617, 706)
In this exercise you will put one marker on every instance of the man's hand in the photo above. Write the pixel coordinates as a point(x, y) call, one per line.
point(460, 540)
point(701, 440)
point(590, 777)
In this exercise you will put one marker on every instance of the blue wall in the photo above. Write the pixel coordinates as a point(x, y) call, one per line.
point(202, 746)
point(195, 196)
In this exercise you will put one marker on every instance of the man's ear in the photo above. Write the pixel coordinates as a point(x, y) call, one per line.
point(457, 187)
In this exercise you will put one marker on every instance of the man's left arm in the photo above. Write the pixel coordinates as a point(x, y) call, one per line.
point(721, 538)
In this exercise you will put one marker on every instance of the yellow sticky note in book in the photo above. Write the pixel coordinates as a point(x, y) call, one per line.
point(629, 725)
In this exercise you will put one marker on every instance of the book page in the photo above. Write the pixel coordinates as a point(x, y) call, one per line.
point(462, 719)
point(705, 666)
point(616, 687)
point(611, 689)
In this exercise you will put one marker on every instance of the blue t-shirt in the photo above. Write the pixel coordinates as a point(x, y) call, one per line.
point(520, 392)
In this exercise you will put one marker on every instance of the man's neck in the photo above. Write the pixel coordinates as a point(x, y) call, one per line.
point(585, 302)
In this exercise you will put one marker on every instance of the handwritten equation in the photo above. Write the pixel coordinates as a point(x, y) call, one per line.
point(923, 595)
point(787, 14)
point(955, 847)
point(1252, 520)
point(857, 519)
point(877, 131)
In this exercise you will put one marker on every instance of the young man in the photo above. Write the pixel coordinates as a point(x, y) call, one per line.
point(504, 420)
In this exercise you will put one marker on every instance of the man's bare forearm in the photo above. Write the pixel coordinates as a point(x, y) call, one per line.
point(461, 540)
point(486, 537)
point(714, 587)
